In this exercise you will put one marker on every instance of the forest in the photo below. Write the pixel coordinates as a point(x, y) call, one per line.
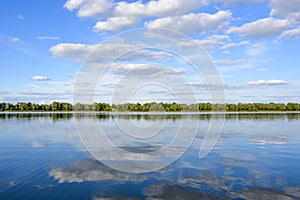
point(147, 107)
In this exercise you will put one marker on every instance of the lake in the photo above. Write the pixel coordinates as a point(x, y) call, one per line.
point(65, 156)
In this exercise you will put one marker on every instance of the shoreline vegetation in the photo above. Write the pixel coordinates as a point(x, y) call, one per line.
point(149, 107)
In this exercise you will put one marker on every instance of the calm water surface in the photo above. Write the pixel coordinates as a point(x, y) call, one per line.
point(257, 157)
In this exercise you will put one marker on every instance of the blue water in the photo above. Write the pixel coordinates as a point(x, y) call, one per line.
point(256, 157)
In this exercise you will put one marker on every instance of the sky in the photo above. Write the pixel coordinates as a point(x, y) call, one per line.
point(53, 50)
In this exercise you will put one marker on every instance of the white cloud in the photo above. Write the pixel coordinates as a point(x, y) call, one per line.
point(289, 9)
point(90, 8)
point(294, 18)
point(269, 82)
point(94, 8)
point(176, 14)
point(40, 78)
point(137, 9)
point(231, 45)
point(76, 52)
point(16, 39)
point(262, 28)
point(47, 38)
point(171, 7)
point(291, 34)
point(120, 15)
point(166, 13)
point(116, 23)
point(140, 70)
point(106, 52)
point(158, 8)
point(73, 4)
point(207, 43)
point(284, 8)
point(193, 23)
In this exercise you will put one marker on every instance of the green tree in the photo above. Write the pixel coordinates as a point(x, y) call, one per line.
point(55, 106)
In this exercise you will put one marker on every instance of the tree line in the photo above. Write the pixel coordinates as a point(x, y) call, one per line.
point(148, 107)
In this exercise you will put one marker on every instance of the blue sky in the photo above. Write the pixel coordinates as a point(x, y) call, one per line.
point(254, 45)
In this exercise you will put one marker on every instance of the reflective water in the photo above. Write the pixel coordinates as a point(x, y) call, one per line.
point(257, 157)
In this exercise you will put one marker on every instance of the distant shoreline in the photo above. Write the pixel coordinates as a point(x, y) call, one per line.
point(151, 107)
point(152, 113)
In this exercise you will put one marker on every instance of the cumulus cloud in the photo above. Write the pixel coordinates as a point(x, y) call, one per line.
point(120, 15)
point(262, 28)
point(144, 69)
point(106, 52)
point(289, 9)
point(137, 9)
point(76, 52)
point(73, 4)
point(40, 78)
point(116, 23)
point(284, 8)
point(89, 8)
point(294, 18)
point(158, 8)
point(193, 23)
point(267, 82)
point(231, 45)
